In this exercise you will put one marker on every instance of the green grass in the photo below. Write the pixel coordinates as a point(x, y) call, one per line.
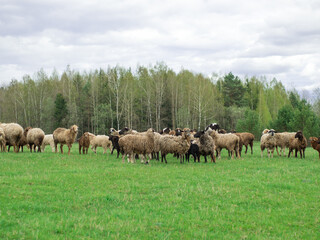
point(54, 196)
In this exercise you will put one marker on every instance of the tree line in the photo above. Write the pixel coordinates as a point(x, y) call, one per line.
point(157, 97)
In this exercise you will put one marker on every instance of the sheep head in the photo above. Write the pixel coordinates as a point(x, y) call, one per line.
point(74, 128)
point(199, 134)
point(271, 132)
point(213, 126)
point(26, 130)
point(165, 131)
point(179, 131)
point(123, 130)
point(299, 135)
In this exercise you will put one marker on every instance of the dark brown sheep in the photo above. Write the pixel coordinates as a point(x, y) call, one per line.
point(315, 144)
point(298, 143)
point(84, 143)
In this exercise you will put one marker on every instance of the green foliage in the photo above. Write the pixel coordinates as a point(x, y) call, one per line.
point(153, 96)
point(233, 91)
point(60, 111)
point(283, 122)
point(250, 123)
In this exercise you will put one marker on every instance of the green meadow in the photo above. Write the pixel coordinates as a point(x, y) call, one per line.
point(96, 196)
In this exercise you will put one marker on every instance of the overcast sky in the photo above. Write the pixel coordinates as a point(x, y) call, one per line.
point(272, 38)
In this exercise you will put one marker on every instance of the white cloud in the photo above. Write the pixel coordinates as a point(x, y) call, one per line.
point(272, 38)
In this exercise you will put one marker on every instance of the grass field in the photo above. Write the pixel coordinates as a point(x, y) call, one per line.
point(54, 196)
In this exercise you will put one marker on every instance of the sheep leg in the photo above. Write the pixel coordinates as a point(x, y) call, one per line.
point(123, 157)
point(61, 148)
point(251, 146)
point(80, 149)
point(56, 147)
point(290, 150)
point(213, 158)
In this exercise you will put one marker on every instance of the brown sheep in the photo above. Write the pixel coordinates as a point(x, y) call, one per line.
point(142, 143)
point(84, 143)
point(247, 139)
point(65, 136)
point(315, 144)
point(298, 143)
point(13, 132)
point(34, 138)
point(227, 141)
point(178, 145)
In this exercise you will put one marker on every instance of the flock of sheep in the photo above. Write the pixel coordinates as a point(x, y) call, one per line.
point(148, 145)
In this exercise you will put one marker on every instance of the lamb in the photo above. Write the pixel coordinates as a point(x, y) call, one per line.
point(194, 151)
point(228, 141)
point(84, 143)
point(65, 136)
point(34, 138)
point(101, 141)
point(298, 143)
point(268, 141)
point(283, 140)
point(206, 145)
point(315, 144)
point(137, 144)
point(48, 140)
point(175, 144)
point(2, 141)
point(115, 144)
point(13, 133)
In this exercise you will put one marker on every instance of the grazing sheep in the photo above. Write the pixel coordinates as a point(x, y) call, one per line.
point(194, 151)
point(283, 140)
point(315, 144)
point(2, 141)
point(175, 144)
point(268, 141)
point(206, 145)
point(34, 138)
point(142, 143)
point(48, 140)
point(13, 133)
point(298, 143)
point(84, 143)
point(228, 141)
point(65, 136)
point(101, 141)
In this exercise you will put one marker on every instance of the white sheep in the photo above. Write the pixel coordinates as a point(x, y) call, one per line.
point(269, 142)
point(142, 144)
point(34, 138)
point(100, 141)
point(2, 141)
point(283, 140)
point(175, 144)
point(13, 133)
point(228, 141)
point(48, 140)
